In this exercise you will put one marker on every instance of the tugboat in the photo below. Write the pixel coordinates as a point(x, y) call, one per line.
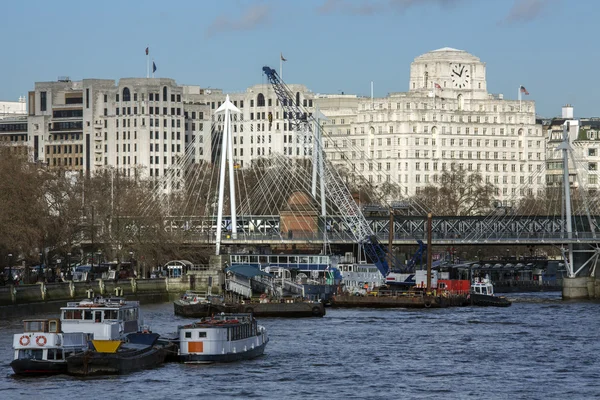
point(222, 338)
point(482, 294)
point(42, 348)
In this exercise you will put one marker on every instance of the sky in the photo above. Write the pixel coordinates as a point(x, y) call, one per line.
point(331, 46)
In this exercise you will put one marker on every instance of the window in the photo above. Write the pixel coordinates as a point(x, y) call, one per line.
point(260, 100)
point(126, 94)
point(165, 94)
point(42, 101)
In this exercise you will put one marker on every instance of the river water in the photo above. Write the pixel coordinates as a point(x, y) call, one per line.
point(540, 348)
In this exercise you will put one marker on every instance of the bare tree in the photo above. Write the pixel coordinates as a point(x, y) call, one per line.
point(458, 193)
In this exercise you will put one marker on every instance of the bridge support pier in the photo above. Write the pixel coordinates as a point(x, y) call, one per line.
point(579, 288)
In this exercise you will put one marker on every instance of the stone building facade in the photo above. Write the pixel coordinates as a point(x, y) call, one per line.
point(446, 120)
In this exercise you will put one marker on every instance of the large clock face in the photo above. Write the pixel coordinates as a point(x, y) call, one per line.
point(460, 75)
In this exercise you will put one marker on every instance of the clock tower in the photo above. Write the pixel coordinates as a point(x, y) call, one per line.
point(455, 71)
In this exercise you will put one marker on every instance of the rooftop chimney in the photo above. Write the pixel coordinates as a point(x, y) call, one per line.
point(567, 111)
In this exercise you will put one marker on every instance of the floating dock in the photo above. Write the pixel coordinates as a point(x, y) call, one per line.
point(395, 299)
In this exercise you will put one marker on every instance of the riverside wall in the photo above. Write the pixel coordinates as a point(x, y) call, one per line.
point(29, 300)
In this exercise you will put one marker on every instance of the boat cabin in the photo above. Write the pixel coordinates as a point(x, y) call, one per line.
point(104, 319)
point(482, 286)
point(212, 335)
point(42, 339)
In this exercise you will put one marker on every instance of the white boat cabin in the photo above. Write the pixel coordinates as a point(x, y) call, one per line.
point(42, 339)
point(221, 335)
point(104, 319)
point(482, 286)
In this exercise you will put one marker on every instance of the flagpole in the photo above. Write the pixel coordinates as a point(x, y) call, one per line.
point(519, 94)
point(148, 63)
point(280, 67)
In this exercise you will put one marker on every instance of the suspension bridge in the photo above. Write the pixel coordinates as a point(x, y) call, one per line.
point(303, 197)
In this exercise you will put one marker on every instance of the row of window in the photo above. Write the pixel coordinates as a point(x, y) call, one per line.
point(21, 127)
point(64, 149)
point(425, 106)
point(434, 167)
point(156, 148)
point(13, 138)
point(156, 135)
point(67, 162)
point(151, 96)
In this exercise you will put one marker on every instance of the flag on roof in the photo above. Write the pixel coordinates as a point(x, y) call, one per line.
point(437, 86)
point(523, 90)
point(153, 67)
point(147, 50)
point(282, 58)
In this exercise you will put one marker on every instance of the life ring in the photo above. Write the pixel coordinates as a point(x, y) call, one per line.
point(41, 340)
point(427, 304)
point(24, 340)
point(316, 311)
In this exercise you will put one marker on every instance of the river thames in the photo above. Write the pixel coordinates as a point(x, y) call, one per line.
point(539, 348)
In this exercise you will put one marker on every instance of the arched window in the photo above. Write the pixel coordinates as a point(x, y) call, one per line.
point(434, 130)
point(260, 100)
point(297, 98)
point(126, 94)
point(460, 102)
point(165, 94)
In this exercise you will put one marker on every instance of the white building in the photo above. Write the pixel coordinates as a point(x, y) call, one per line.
point(13, 108)
point(447, 119)
point(135, 126)
point(263, 127)
point(584, 138)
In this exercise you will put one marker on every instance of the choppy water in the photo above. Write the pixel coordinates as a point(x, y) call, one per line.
point(540, 348)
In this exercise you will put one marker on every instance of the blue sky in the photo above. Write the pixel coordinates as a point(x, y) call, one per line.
point(549, 46)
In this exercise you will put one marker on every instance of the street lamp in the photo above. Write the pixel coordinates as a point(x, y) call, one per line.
point(41, 266)
point(10, 266)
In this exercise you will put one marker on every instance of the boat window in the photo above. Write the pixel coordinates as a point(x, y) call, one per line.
point(34, 326)
point(31, 354)
point(110, 314)
point(201, 334)
point(53, 326)
point(188, 335)
point(87, 314)
point(484, 290)
point(98, 316)
point(68, 314)
point(55, 354)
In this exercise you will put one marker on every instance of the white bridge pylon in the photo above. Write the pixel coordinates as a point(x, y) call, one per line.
point(226, 108)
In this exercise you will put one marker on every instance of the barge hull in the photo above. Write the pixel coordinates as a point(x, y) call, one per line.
point(230, 357)
point(38, 367)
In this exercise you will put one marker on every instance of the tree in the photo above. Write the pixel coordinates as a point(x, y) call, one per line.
point(458, 193)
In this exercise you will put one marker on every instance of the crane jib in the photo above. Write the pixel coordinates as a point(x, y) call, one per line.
point(338, 193)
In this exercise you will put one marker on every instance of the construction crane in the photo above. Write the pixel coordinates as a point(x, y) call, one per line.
point(336, 191)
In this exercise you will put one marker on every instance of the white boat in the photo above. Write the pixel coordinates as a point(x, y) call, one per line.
point(482, 294)
point(42, 348)
point(222, 338)
point(102, 318)
point(45, 344)
point(359, 278)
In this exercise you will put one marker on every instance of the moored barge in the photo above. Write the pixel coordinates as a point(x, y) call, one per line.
point(222, 338)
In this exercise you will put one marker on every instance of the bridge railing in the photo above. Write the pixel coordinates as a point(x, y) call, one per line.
point(383, 237)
